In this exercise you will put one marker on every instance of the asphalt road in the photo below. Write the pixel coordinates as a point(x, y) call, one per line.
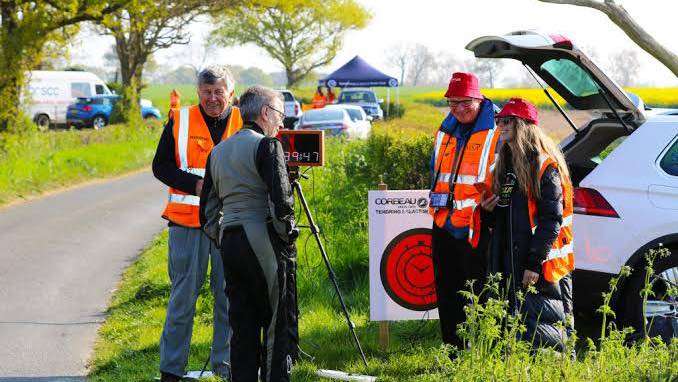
point(61, 256)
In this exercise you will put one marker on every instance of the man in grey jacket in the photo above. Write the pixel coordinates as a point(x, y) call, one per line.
point(247, 207)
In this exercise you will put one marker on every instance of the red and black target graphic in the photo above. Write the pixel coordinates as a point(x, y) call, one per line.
point(407, 270)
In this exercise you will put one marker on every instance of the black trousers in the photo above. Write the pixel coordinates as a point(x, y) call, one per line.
point(455, 262)
point(253, 316)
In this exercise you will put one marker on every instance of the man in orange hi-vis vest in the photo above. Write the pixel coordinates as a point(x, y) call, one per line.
point(461, 167)
point(189, 135)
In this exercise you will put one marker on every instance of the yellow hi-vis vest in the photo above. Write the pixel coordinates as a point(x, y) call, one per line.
point(193, 143)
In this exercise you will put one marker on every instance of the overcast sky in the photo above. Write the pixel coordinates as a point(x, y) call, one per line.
point(447, 26)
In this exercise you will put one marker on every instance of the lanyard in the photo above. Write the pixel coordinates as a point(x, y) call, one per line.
point(440, 162)
point(455, 167)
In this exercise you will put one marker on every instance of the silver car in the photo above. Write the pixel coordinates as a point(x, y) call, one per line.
point(364, 98)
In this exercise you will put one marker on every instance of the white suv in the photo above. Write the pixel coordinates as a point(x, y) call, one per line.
point(292, 109)
point(624, 166)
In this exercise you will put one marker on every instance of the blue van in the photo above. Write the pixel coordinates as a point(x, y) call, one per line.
point(95, 111)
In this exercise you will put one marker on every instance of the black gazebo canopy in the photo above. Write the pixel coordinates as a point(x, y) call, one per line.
point(358, 73)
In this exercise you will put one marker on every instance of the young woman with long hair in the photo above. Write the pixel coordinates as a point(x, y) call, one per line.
point(531, 212)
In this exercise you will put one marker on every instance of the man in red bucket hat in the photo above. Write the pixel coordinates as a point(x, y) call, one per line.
point(460, 173)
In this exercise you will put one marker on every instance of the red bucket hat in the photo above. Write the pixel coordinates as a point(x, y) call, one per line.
point(463, 85)
point(518, 107)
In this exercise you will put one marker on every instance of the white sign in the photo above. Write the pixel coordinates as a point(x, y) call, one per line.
point(401, 267)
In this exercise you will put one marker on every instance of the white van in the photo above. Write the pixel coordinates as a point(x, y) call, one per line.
point(50, 92)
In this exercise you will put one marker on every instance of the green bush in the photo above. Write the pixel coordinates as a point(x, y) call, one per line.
point(394, 110)
point(402, 162)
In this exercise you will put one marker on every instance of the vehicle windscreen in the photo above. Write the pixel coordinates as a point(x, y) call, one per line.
point(288, 97)
point(80, 89)
point(101, 89)
point(355, 114)
point(357, 97)
point(323, 115)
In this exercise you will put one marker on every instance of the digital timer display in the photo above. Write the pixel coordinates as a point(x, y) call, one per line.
point(303, 147)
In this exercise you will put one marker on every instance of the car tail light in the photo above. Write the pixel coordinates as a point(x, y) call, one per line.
point(344, 126)
point(87, 108)
point(296, 109)
point(588, 201)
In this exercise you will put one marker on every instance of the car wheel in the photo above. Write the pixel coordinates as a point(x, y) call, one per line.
point(659, 315)
point(99, 122)
point(42, 121)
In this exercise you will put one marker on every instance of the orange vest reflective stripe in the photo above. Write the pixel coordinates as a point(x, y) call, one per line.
point(193, 144)
point(560, 259)
point(318, 101)
point(476, 166)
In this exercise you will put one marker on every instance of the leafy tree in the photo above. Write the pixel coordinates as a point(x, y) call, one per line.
point(26, 26)
point(142, 28)
point(301, 35)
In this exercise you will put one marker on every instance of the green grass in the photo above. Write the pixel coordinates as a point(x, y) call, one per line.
point(127, 346)
point(34, 162)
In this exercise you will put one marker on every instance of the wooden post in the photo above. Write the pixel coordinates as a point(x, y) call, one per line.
point(384, 336)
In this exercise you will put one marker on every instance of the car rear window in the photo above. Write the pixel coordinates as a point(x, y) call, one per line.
point(571, 76)
point(288, 96)
point(355, 114)
point(669, 162)
point(357, 96)
point(323, 115)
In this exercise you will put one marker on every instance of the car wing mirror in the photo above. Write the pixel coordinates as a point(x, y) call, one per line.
point(370, 118)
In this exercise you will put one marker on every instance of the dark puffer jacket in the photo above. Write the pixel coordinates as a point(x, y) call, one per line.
point(543, 310)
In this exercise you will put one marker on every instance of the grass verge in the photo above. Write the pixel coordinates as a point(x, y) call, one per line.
point(35, 162)
point(127, 348)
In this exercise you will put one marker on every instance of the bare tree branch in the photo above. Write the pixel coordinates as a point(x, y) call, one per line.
point(618, 14)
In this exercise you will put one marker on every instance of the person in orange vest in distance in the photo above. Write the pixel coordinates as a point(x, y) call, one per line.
point(461, 165)
point(318, 101)
point(187, 139)
point(175, 96)
point(330, 97)
point(532, 237)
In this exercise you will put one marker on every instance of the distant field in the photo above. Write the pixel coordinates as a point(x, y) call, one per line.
point(653, 97)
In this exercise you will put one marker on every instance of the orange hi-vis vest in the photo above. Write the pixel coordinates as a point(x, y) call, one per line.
point(318, 101)
point(476, 165)
point(193, 143)
point(560, 259)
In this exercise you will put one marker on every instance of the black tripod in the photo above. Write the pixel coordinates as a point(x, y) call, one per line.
point(294, 181)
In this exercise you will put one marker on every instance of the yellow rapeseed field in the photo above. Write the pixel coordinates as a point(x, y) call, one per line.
point(657, 97)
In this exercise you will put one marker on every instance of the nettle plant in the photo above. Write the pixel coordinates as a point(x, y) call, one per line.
point(494, 349)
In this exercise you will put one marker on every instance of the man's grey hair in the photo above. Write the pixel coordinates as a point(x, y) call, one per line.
point(254, 99)
point(213, 73)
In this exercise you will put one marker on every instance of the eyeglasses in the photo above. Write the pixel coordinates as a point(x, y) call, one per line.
point(504, 120)
point(282, 114)
point(455, 104)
